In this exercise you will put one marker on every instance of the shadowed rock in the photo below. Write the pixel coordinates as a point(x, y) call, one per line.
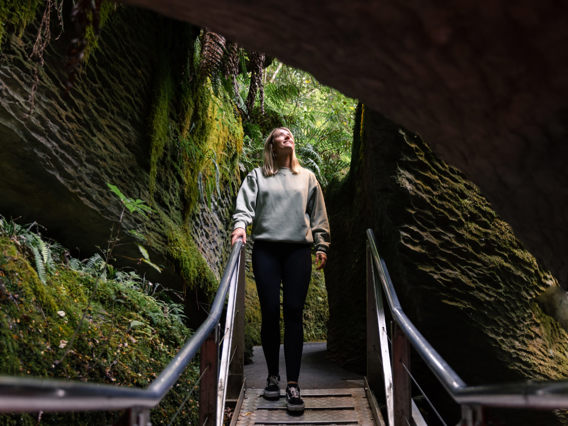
point(462, 277)
point(484, 83)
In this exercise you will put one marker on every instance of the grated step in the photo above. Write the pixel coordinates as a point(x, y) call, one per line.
point(323, 407)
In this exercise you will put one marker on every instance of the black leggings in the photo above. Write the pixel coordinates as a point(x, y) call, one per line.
point(290, 264)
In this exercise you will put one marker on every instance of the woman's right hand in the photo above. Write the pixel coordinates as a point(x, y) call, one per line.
point(238, 233)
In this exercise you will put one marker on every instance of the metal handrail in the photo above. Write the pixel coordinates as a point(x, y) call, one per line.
point(526, 394)
point(23, 394)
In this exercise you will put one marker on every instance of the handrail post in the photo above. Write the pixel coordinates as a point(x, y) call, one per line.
point(472, 415)
point(401, 380)
point(138, 416)
point(373, 348)
point(236, 370)
point(208, 384)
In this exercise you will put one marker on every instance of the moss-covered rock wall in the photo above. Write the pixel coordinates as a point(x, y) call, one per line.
point(137, 116)
point(462, 276)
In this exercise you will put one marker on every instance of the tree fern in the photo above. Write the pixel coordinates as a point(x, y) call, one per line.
point(212, 52)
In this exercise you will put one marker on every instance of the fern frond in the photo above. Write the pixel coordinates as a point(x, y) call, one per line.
point(94, 264)
point(44, 250)
point(212, 52)
point(231, 61)
point(281, 93)
point(75, 264)
point(312, 165)
point(40, 268)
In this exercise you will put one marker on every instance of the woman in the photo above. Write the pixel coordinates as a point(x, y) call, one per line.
point(285, 205)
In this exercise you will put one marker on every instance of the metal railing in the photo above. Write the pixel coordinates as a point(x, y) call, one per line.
point(396, 368)
point(22, 394)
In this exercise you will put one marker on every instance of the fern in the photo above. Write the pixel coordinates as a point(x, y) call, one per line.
point(212, 52)
point(94, 264)
point(40, 267)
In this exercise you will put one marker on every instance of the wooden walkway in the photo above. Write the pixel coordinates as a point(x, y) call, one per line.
point(332, 395)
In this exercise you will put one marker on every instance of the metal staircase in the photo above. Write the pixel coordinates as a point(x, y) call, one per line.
point(222, 379)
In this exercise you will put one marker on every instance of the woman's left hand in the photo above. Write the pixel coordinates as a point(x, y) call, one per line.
point(321, 259)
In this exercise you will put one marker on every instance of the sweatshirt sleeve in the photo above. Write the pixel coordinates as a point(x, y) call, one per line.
point(318, 217)
point(246, 202)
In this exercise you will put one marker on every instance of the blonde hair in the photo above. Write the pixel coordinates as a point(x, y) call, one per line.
point(269, 168)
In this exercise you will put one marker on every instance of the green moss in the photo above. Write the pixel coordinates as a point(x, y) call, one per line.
point(15, 15)
point(193, 267)
point(210, 147)
point(14, 264)
point(123, 336)
point(106, 10)
point(160, 125)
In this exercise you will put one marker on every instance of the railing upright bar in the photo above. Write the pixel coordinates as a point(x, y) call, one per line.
point(378, 325)
point(208, 360)
point(401, 381)
point(236, 369)
point(373, 365)
point(447, 376)
point(226, 351)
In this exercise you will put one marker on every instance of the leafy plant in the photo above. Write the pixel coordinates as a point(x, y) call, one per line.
point(132, 205)
point(320, 118)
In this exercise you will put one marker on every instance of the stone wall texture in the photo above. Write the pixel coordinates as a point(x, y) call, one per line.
point(462, 277)
point(484, 82)
point(56, 160)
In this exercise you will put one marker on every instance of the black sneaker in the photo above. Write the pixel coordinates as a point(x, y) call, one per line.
point(294, 403)
point(272, 389)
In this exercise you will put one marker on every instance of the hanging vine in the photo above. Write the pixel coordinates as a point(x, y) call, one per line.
point(42, 41)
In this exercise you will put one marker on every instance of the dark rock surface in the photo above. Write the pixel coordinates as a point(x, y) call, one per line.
point(485, 83)
point(55, 162)
point(461, 275)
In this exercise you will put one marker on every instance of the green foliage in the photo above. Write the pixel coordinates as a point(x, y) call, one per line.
point(106, 10)
point(320, 118)
point(41, 250)
point(132, 205)
point(127, 338)
point(15, 15)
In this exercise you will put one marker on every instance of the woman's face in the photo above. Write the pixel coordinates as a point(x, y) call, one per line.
point(283, 142)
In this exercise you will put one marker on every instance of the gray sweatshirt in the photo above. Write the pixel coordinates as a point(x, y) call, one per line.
point(285, 207)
